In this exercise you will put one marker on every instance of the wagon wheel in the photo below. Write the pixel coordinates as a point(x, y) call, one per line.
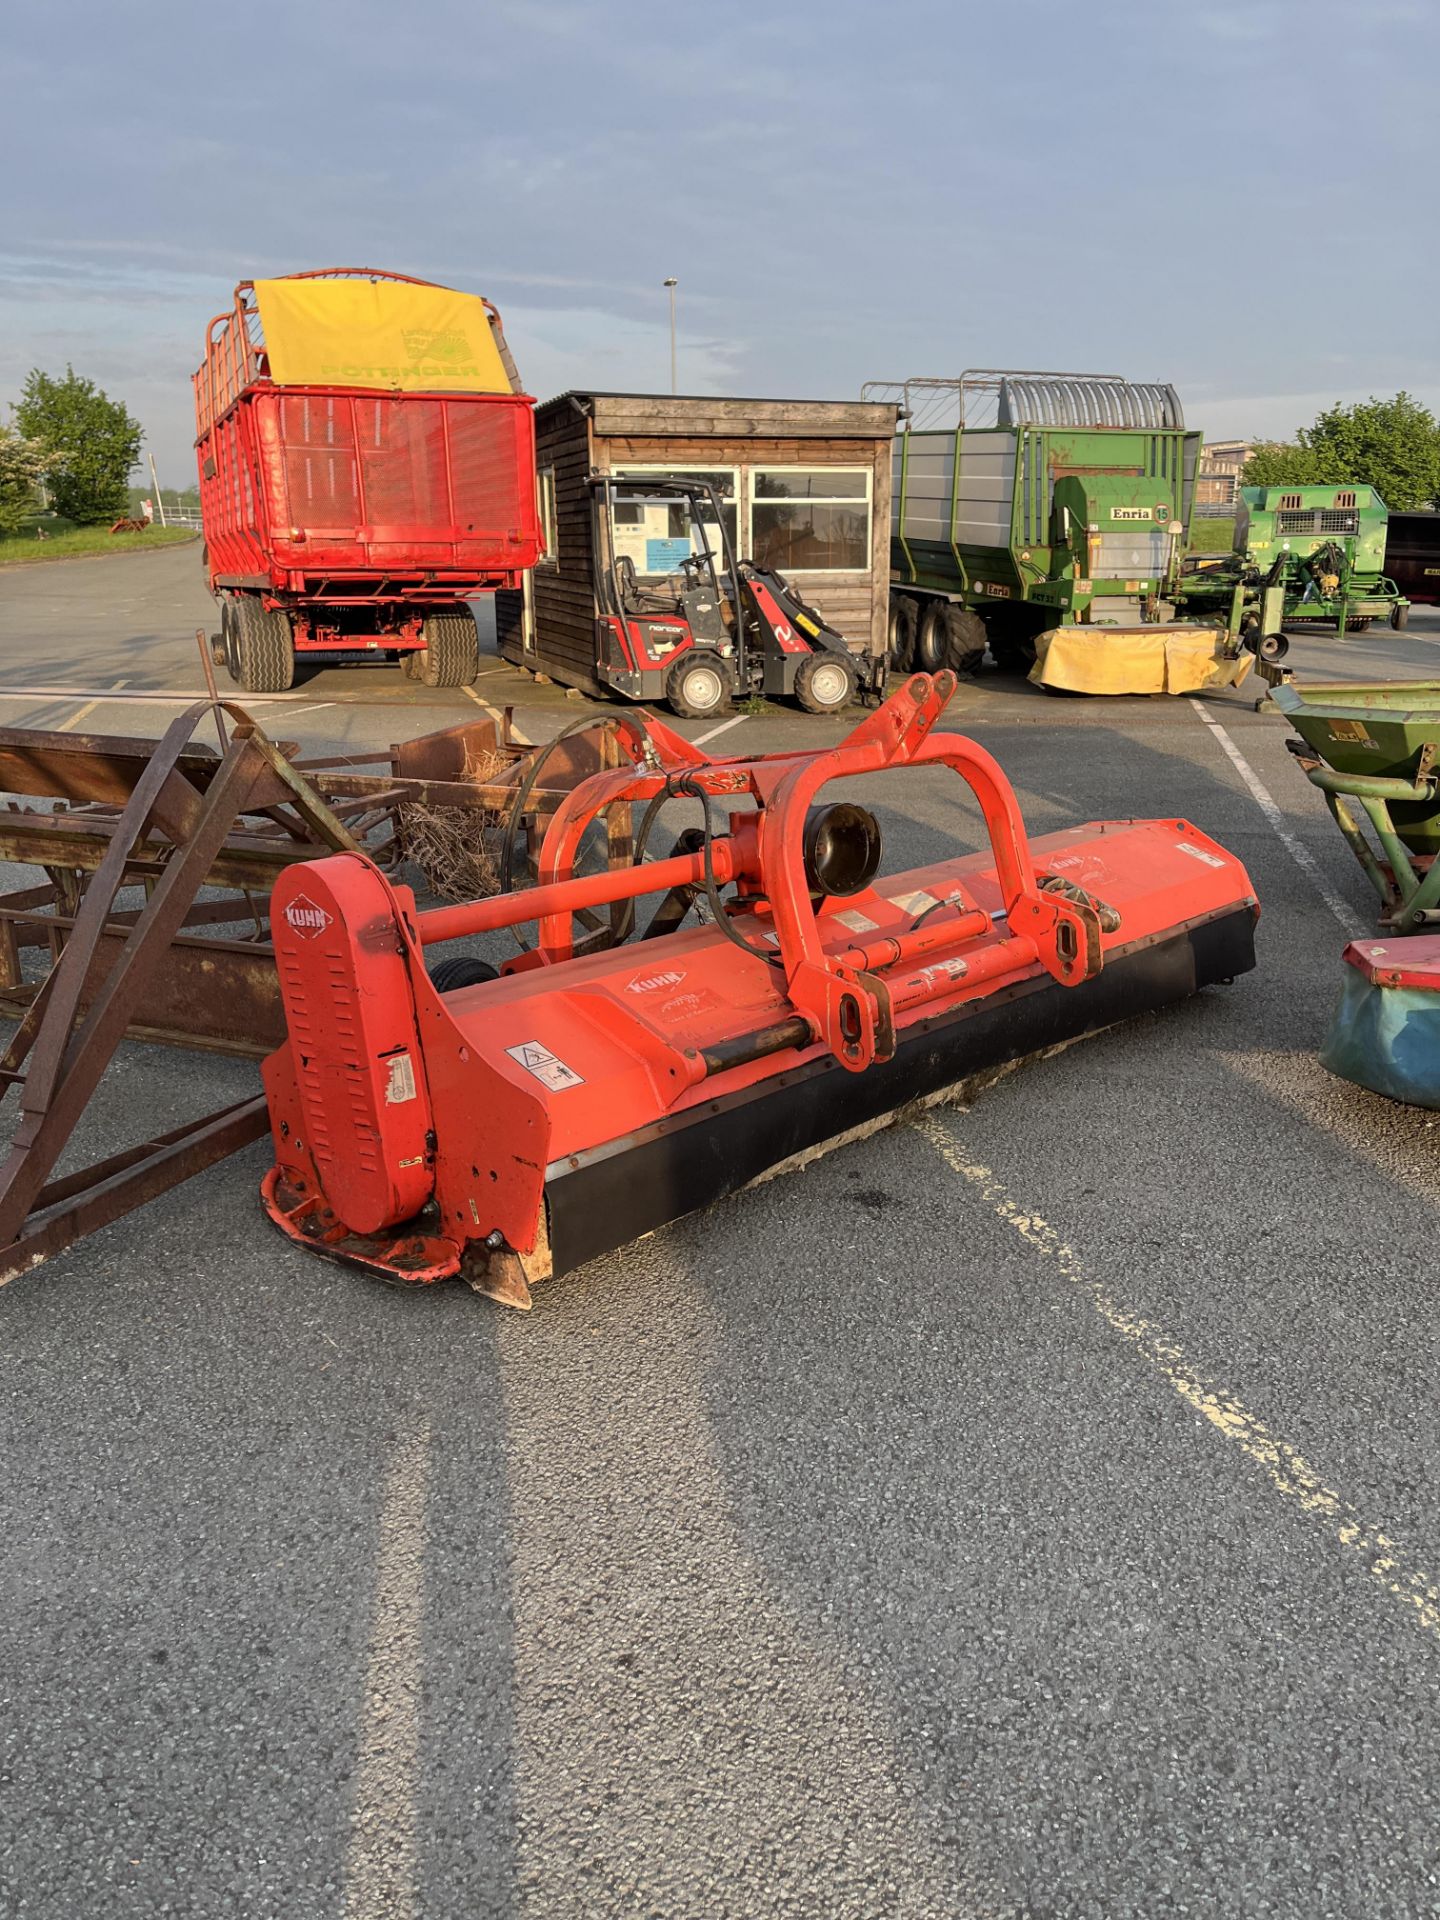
point(264, 648)
point(451, 654)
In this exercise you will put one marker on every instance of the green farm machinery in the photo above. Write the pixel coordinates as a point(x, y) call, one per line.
point(1303, 556)
point(1373, 750)
point(1044, 516)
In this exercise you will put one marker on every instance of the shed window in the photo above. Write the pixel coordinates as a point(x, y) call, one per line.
point(722, 479)
point(811, 519)
point(551, 556)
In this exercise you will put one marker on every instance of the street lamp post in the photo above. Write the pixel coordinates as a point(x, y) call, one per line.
point(672, 284)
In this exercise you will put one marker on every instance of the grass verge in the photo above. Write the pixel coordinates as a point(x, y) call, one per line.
point(1211, 536)
point(25, 549)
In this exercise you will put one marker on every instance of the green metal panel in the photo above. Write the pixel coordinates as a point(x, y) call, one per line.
point(1129, 477)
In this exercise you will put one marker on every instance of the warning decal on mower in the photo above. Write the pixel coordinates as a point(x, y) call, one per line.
point(304, 917)
point(1198, 853)
point(913, 903)
point(549, 1071)
point(400, 1086)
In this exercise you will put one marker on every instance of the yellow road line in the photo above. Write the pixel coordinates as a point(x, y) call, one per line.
point(380, 1863)
point(76, 717)
point(494, 712)
point(1287, 1471)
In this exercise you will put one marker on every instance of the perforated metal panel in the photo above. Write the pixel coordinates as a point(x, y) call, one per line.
point(439, 469)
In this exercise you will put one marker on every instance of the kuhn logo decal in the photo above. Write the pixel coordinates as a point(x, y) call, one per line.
point(653, 982)
point(302, 916)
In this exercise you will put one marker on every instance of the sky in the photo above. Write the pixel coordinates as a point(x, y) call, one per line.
point(1236, 198)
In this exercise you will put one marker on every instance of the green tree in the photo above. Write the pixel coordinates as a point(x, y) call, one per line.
point(1391, 445)
point(22, 462)
point(91, 442)
point(1279, 463)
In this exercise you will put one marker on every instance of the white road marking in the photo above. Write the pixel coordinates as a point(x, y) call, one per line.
point(1300, 854)
point(380, 1861)
point(1289, 1473)
point(715, 732)
point(158, 696)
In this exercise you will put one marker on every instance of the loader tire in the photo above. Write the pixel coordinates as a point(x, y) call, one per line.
point(900, 651)
point(1399, 618)
point(451, 654)
point(461, 971)
point(964, 647)
point(264, 647)
point(698, 685)
point(825, 682)
point(930, 637)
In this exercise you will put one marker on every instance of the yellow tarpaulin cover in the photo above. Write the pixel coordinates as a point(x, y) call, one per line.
point(1154, 659)
point(378, 333)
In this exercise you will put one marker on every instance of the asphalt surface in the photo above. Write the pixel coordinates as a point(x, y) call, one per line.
point(1029, 1511)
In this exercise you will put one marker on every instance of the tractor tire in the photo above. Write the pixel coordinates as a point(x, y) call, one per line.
point(698, 685)
point(450, 656)
point(461, 971)
point(825, 682)
point(1399, 618)
point(410, 663)
point(964, 640)
point(264, 647)
point(1358, 626)
point(931, 635)
point(904, 615)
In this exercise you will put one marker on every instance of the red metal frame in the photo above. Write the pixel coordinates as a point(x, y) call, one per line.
point(392, 1100)
point(472, 525)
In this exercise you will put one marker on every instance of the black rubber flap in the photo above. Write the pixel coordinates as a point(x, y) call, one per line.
point(665, 1172)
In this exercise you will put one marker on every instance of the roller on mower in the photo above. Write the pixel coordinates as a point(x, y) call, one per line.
point(511, 1130)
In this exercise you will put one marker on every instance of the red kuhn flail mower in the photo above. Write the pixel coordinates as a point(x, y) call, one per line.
point(512, 1129)
point(674, 626)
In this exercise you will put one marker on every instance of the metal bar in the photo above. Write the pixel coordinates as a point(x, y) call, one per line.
point(1378, 814)
point(60, 1014)
point(53, 1102)
point(568, 896)
point(1372, 786)
point(299, 792)
point(126, 1181)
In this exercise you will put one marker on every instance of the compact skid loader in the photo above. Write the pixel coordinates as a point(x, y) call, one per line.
point(515, 1128)
point(673, 626)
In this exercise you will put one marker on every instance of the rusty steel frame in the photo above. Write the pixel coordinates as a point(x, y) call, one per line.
point(172, 818)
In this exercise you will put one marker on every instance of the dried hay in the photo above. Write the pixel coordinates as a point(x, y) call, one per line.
point(457, 849)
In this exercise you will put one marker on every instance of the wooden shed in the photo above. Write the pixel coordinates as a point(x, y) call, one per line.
point(806, 489)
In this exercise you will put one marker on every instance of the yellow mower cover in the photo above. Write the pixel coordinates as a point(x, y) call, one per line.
point(378, 333)
point(1147, 659)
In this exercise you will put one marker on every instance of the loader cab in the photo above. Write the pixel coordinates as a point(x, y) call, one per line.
point(660, 596)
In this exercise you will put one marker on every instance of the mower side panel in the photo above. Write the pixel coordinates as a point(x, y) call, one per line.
point(604, 1199)
point(354, 1050)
